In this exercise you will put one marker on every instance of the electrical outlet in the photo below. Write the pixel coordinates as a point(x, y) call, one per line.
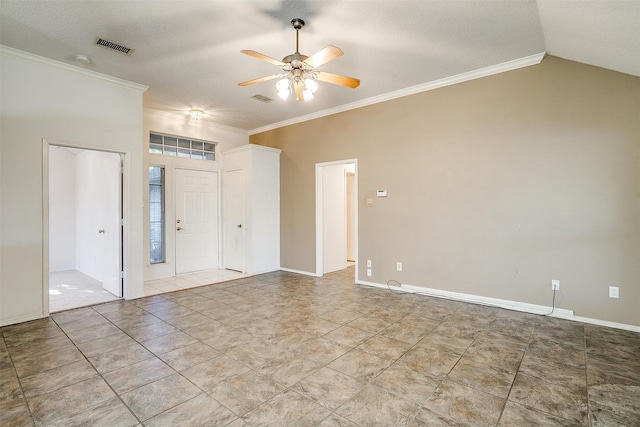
point(614, 292)
point(399, 266)
point(368, 272)
point(555, 285)
point(368, 263)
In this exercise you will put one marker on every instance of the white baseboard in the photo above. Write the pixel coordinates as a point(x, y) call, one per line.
point(502, 303)
point(305, 273)
point(606, 323)
point(21, 319)
point(507, 304)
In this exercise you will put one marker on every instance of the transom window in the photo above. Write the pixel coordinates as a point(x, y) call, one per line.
point(181, 147)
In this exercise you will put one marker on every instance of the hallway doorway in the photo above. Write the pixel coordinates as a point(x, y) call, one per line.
point(336, 216)
point(85, 227)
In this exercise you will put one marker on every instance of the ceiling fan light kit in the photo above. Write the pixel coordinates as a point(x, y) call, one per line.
point(300, 75)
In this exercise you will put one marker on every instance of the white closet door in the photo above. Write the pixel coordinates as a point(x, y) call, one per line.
point(233, 220)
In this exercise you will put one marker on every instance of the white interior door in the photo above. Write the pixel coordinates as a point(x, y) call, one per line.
point(233, 220)
point(196, 228)
point(111, 230)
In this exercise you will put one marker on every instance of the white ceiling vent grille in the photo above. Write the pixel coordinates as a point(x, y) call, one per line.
point(114, 46)
point(262, 98)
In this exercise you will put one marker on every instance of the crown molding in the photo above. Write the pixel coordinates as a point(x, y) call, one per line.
point(61, 65)
point(424, 87)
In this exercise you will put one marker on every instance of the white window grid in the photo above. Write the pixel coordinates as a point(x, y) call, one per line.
point(177, 146)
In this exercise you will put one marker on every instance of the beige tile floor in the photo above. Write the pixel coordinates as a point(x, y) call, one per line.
point(191, 280)
point(282, 349)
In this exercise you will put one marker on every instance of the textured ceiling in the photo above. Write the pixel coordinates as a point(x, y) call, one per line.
point(188, 52)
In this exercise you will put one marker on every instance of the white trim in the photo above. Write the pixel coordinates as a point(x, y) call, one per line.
point(502, 303)
point(305, 273)
point(20, 319)
point(560, 313)
point(45, 228)
point(424, 87)
point(72, 68)
point(606, 323)
point(319, 218)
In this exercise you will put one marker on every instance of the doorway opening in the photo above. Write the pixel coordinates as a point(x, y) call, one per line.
point(336, 216)
point(85, 226)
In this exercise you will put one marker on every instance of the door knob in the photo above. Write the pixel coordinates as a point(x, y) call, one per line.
point(239, 225)
point(178, 221)
point(101, 231)
point(179, 228)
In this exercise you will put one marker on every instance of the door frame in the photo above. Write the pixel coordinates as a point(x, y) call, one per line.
point(124, 211)
point(319, 216)
point(175, 213)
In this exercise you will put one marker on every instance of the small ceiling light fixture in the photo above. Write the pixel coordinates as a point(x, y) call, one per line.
point(78, 57)
point(196, 114)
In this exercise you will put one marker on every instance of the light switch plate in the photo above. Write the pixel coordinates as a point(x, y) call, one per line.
point(614, 292)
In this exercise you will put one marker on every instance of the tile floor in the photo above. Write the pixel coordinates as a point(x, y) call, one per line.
point(73, 289)
point(191, 280)
point(282, 349)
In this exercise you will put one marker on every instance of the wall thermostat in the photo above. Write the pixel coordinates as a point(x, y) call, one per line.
point(382, 193)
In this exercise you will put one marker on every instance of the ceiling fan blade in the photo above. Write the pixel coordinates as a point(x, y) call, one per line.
point(327, 54)
point(298, 88)
point(337, 79)
point(262, 57)
point(259, 80)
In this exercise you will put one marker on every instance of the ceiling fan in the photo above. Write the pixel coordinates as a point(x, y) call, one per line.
point(299, 71)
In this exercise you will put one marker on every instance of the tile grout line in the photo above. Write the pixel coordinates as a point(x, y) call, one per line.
point(141, 422)
point(15, 372)
point(506, 400)
point(586, 375)
point(95, 369)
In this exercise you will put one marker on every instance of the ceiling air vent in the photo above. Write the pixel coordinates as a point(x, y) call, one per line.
point(114, 46)
point(262, 98)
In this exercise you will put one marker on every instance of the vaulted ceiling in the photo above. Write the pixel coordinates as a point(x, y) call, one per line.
point(188, 52)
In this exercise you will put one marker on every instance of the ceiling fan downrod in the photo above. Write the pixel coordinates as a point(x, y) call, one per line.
point(297, 24)
point(296, 59)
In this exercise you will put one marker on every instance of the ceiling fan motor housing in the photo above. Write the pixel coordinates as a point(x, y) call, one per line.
point(295, 59)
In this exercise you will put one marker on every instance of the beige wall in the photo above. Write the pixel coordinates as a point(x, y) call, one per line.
point(495, 187)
